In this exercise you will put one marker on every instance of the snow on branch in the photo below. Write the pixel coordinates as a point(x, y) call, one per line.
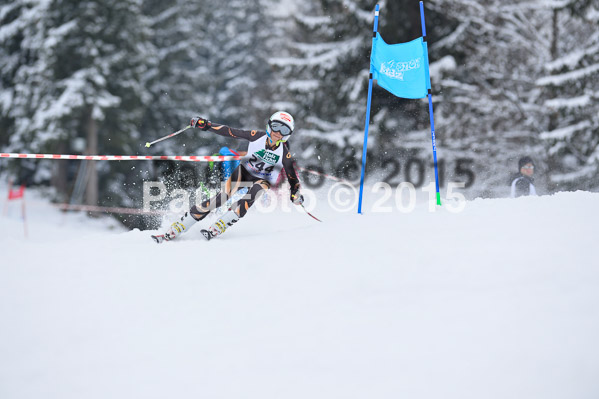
point(311, 49)
point(365, 16)
point(76, 92)
point(445, 64)
point(56, 35)
point(7, 9)
point(561, 79)
point(311, 22)
point(553, 4)
point(450, 40)
point(568, 103)
point(323, 54)
point(566, 132)
point(572, 59)
point(11, 29)
point(164, 16)
point(304, 85)
point(6, 98)
point(337, 136)
point(459, 85)
point(585, 172)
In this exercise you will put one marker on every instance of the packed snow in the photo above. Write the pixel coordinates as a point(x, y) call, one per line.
point(496, 301)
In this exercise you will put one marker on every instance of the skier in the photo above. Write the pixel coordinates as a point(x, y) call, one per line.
point(523, 183)
point(267, 154)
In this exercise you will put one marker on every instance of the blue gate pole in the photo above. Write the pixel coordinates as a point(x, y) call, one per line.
point(430, 101)
point(365, 145)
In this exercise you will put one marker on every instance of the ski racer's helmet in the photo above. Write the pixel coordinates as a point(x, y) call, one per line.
point(281, 122)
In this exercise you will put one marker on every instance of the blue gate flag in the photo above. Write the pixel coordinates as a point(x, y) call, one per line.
point(402, 68)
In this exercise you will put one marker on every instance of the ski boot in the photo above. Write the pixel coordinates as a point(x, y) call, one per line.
point(219, 227)
point(179, 227)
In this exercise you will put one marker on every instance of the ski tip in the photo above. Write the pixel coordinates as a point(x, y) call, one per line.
point(158, 238)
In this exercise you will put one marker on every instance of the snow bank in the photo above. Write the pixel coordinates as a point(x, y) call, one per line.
point(496, 301)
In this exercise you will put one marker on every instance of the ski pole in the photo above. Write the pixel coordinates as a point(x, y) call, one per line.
point(309, 214)
point(168, 137)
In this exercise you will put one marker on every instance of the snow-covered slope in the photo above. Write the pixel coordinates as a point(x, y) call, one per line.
point(500, 300)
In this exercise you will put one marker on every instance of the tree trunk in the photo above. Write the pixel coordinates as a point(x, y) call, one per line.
point(91, 192)
point(552, 162)
point(554, 39)
point(59, 178)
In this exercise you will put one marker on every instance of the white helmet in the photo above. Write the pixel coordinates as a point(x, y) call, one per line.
point(280, 122)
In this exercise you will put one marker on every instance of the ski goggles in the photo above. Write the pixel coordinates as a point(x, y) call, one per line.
point(279, 127)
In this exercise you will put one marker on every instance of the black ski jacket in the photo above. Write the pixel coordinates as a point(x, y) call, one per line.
point(253, 135)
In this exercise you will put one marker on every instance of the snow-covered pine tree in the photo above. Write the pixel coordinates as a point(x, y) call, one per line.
point(178, 86)
point(81, 75)
point(212, 63)
point(326, 69)
point(24, 75)
point(498, 47)
point(242, 37)
point(180, 82)
point(488, 65)
point(570, 94)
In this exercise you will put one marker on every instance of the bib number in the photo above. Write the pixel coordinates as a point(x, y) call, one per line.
point(260, 165)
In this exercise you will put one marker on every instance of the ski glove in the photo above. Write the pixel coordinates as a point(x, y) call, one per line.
point(200, 123)
point(297, 198)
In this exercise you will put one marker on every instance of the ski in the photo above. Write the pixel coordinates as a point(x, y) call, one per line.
point(207, 235)
point(159, 238)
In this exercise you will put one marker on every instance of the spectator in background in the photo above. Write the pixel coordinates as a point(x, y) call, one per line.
point(523, 183)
